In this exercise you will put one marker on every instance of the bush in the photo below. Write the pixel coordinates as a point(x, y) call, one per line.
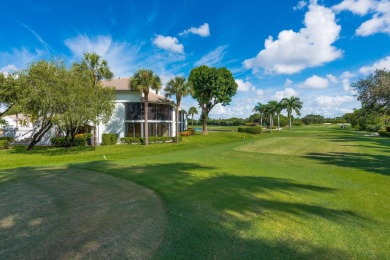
point(250, 124)
point(109, 139)
point(388, 129)
point(85, 136)
point(250, 130)
point(62, 142)
point(384, 133)
point(130, 140)
point(8, 138)
point(174, 139)
point(372, 128)
point(4, 144)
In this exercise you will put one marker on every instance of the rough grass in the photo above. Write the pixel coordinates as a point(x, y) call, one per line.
point(235, 198)
point(59, 213)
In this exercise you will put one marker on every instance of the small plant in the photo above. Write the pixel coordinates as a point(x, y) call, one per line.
point(109, 139)
point(4, 144)
point(384, 133)
point(250, 130)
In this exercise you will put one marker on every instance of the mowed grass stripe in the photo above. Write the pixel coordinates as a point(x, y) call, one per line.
point(61, 213)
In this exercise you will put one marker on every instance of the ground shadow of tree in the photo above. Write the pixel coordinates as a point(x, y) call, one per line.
point(369, 162)
point(200, 223)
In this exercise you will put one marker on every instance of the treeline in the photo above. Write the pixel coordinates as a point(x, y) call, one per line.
point(53, 94)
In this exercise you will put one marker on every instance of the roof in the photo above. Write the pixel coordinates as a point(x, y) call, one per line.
point(122, 84)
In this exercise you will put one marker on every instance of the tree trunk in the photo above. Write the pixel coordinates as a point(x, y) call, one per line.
point(261, 121)
point(278, 123)
point(204, 121)
point(38, 136)
point(177, 122)
point(193, 121)
point(289, 117)
point(146, 128)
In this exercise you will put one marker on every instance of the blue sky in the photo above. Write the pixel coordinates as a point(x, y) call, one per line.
point(274, 48)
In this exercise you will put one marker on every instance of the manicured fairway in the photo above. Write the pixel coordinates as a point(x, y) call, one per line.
point(315, 192)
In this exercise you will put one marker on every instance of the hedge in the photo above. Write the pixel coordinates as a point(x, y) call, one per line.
point(8, 138)
point(152, 139)
point(109, 139)
point(61, 141)
point(384, 133)
point(250, 130)
point(4, 144)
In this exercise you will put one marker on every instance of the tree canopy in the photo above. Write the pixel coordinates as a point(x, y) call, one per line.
point(374, 91)
point(211, 86)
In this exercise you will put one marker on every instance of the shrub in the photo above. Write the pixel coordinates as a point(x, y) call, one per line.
point(384, 133)
point(250, 124)
point(4, 144)
point(186, 133)
point(250, 130)
point(62, 142)
point(130, 140)
point(109, 139)
point(8, 138)
point(388, 129)
point(84, 136)
point(372, 128)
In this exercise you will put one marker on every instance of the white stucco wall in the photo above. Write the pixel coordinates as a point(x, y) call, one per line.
point(116, 125)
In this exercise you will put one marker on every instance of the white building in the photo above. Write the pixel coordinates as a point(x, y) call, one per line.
point(128, 116)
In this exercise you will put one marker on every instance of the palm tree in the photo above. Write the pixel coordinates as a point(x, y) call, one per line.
point(143, 80)
point(99, 70)
point(279, 108)
point(192, 111)
point(292, 104)
point(177, 86)
point(260, 108)
point(272, 110)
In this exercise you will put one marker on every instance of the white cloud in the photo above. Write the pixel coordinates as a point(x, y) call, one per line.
point(300, 5)
point(381, 64)
point(213, 58)
point(347, 75)
point(8, 69)
point(378, 23)
point(286, 93)
point(260, 93)
point(294, 51)
point(333, 101)
point(19, 58)
point(315, 82)
point(120, 55)
point(203, 30)
point(168, 43)
point(244, 86)
point(331, 78)
point(288, 83)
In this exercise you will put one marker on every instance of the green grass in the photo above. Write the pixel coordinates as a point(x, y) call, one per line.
point(315, 192)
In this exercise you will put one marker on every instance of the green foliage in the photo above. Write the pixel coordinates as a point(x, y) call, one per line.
point(109, 139)
point(313, 119)
point(142, 81)
point(64, 142)
point(8, 138)
point(292, 104)
point(4, 144)
point(374, 91)
point(211, 86)
point(384, 133)
point(10, 92)
point(250, 130)
point(130, 140)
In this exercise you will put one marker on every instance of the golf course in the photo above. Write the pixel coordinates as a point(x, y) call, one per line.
point(314, 192)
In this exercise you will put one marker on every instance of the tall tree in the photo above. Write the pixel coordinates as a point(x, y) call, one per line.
point(192, 111)
point(259, 108)
point(273, 107)
point(279, 107)
point(179, 87)
point(292, 104)
point(99, 70)
point(211, 86)
point(84, 101)
point(143, 80)
point(374, 91)
point(43, 82)
point(10, 91)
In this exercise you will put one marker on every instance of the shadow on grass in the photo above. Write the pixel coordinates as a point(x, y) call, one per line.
point(211, 214)
point(51, 151)
point(369, 162)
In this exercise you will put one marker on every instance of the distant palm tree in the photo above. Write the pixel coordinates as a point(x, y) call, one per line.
point(279, 107)
point(292, 104)
point(143, 80)
point(260, 108)
point(192, 111)
point(179, 87)
point(99, 70)
point(272, 110)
